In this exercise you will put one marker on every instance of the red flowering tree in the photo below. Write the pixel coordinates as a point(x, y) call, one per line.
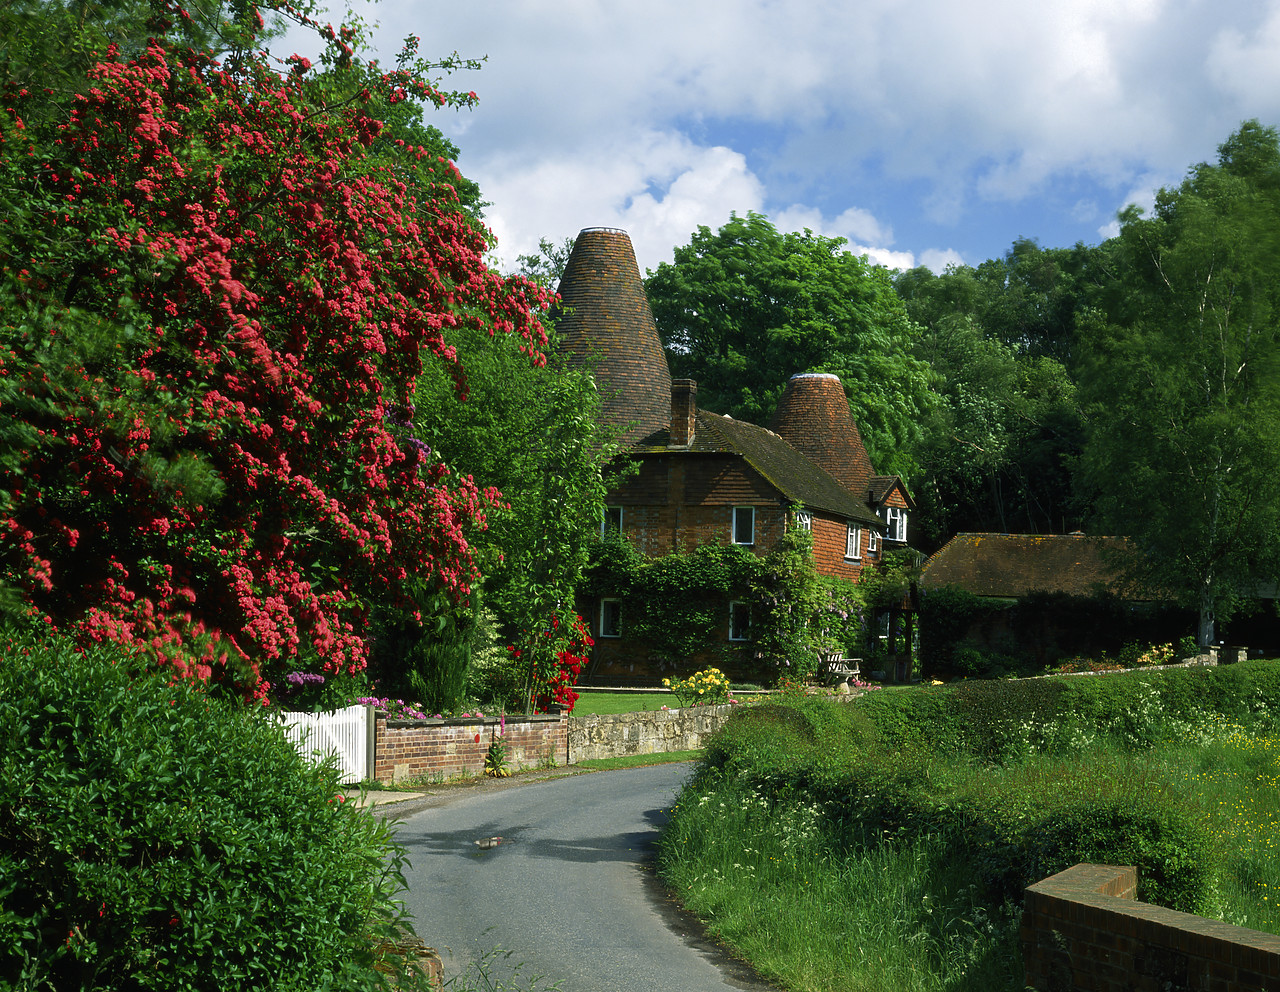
point(552, 659)
point(219, 289)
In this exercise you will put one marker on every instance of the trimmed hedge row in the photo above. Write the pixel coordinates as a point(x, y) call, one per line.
point(153, 837)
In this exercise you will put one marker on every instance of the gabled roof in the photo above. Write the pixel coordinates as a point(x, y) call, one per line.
point(1012, 565)
point(882, 485)
point(789, 471)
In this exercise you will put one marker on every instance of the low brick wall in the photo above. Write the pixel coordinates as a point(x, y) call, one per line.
point(1083, 930)
point(439, 750)
point(649, 732)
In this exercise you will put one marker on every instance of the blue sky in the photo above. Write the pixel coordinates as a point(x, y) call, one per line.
point(923, 131)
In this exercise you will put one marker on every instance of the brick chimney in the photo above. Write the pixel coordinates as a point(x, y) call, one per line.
point(684, 411)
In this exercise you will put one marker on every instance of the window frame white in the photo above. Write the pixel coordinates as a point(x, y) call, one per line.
point(804, 520)
point(736, 607)
point(606, 522)
point(616, 627)
point(751, 535)
point(853, 542)
point(895, 519)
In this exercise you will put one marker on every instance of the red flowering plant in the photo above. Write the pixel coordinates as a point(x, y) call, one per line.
point(219, 290)
point(553, 658)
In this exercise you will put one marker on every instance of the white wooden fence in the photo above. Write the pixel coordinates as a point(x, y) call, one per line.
point(344, 733)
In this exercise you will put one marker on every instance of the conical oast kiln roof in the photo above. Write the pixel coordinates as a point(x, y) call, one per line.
point(607, 326)
point(813, 417)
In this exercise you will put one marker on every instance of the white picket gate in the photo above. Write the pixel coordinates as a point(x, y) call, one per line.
point(344, 733)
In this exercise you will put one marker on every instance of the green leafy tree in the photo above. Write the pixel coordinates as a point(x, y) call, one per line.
point(998, 448)
point(546, 267)
point(1182, 381)
point(532, 433)
point(743, 309)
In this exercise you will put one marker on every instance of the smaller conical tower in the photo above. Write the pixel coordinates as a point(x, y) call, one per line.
point(606, 326)
point(813, 417)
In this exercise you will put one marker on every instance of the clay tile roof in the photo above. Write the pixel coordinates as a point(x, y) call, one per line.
point(813, 416)
point(789, 471)
point(605, 323)
point(882, 485)
point(1012, 565)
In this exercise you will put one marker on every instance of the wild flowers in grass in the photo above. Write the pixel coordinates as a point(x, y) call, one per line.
point(705, 688)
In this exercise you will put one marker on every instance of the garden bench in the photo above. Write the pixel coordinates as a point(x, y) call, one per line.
point(837, 668)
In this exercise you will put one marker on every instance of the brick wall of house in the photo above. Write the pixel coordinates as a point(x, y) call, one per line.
point(439, 750)
point(895, 498)
point(693, 499)
point(829, 544)
point(1082, 930)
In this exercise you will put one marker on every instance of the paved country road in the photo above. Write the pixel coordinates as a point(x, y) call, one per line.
point(569, 890)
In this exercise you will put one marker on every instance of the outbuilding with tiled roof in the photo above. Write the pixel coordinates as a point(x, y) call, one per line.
point(1011, 566)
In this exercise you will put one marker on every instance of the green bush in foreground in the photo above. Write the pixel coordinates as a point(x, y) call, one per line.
point(157, 838)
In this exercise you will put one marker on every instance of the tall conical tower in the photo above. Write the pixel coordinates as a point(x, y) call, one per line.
point(606, 326)
point(813, 417)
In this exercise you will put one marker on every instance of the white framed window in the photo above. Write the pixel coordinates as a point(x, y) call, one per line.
point(611, 522)
point(853, 542)
point(739, 621)
point(895, 518)
point(744, 525)
point(610, 618)
point(873, 542)
point(804, 520)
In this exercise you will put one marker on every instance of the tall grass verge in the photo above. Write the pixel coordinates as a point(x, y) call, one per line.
point(885, 844)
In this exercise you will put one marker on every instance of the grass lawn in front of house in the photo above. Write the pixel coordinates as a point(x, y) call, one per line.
point(607, 703)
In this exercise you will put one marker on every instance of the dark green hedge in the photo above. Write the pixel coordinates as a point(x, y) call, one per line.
point(152, 837)
point(963, 634)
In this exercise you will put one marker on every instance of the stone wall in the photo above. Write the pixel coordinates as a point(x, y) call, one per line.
point(407, 751)
point(650, 732)
point(440, 750)
point(1083, 930)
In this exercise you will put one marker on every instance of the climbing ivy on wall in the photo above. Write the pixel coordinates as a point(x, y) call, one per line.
point(678, 604)
point(675, 604)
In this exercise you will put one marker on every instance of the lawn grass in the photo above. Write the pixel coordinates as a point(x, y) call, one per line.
point(609, 703)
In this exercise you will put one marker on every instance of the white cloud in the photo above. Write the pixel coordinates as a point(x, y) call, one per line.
point(658, 187)
point(896, 125)
point(938, 259)
point(1246, 64)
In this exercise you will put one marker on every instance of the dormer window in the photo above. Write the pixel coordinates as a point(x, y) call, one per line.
point(895, 518)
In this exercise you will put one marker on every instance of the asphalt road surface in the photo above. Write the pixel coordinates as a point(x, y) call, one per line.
point(568, 890)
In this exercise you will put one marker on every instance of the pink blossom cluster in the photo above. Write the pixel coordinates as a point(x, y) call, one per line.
point(283, 288)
